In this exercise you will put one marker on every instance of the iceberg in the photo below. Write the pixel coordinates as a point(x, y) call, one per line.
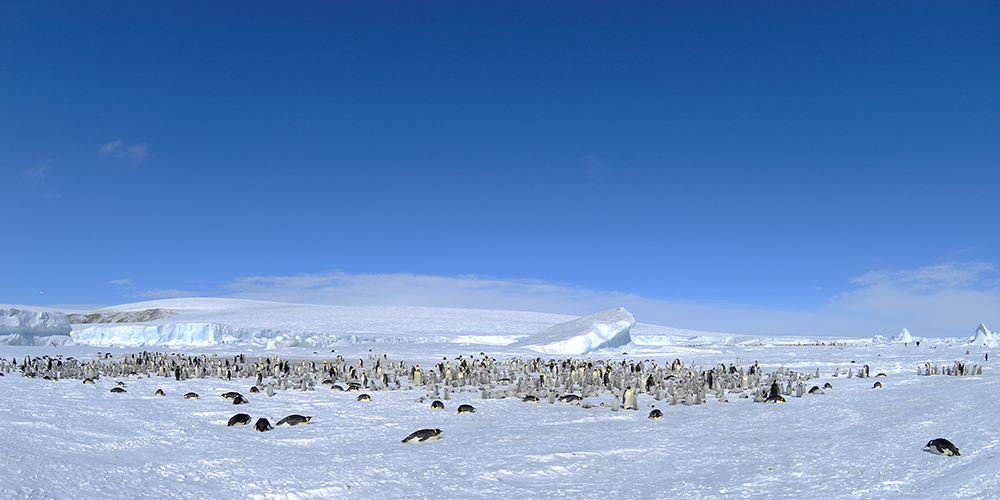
point(605, 329)
point(985, 338)
point(902, 336)
point(20, 327)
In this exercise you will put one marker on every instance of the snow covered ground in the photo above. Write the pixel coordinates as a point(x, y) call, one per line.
point(65, 439)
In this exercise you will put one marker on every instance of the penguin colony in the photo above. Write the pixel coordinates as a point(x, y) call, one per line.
point(532, 380)
point(955, 370)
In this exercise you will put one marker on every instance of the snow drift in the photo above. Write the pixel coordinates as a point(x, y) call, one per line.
point(20, 327)
point(600, 330)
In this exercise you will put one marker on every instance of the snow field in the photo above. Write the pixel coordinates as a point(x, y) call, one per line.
point(64, 439)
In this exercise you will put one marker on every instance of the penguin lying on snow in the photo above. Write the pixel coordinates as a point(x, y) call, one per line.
point(191, 395)
point(656, 415)
point(466, 409)
point(239, 419)
point(437, 405)
point(117, 390)
point(942, 446)
point(231, 395)
point(262, 425)
point(294, 420)
point(423, 435)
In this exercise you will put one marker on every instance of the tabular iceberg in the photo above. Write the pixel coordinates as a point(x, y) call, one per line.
point(600, 330)
point(19, 327)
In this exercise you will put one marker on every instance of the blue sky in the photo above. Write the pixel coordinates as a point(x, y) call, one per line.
point(741, 166)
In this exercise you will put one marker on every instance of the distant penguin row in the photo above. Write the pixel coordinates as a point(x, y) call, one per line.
point(632, 384)
point(957, 369)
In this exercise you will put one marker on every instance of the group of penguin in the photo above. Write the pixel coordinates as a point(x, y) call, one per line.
point(530, 380)
point(264, 425)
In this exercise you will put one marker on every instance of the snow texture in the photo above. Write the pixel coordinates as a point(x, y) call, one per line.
point(605, 329)
point(65, 439)
point(22, 327)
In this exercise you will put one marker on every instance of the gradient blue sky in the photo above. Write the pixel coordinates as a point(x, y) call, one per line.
point(754, 167)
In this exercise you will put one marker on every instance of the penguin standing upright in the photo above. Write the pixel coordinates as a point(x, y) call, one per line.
point(628, 398)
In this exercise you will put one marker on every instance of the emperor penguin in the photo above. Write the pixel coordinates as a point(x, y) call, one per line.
point(942, 446)
point(423, 435)
point(239, 419)
point(262, 425)
point(293, 420)
point(231, 395)
point(628, 398)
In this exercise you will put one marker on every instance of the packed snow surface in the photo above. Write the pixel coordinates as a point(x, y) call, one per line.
point(605, 329)
point(65, 439)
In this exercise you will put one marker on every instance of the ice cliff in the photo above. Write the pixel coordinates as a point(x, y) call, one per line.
point(20, 327)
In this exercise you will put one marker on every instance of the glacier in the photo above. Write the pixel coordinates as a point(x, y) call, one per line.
point(605, 329)
point(27, 328)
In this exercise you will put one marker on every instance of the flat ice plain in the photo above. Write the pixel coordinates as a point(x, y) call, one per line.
point(64, 439)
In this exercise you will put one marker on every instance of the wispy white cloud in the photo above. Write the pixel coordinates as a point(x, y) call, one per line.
point(423, 290)
point(166, 294)
point(942, 300)
point(121, 282)
point(948, 275)
point(38, 172)
point(118, 149)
